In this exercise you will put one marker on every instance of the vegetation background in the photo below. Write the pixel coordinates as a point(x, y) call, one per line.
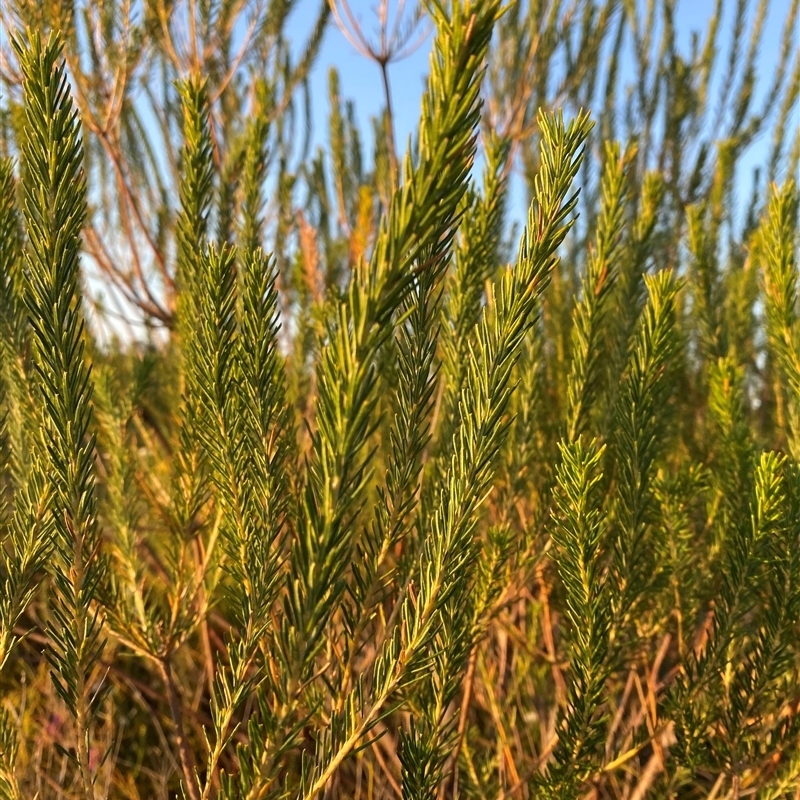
point(324, 477)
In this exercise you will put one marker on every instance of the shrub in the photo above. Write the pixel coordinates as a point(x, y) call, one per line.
point(426, 526)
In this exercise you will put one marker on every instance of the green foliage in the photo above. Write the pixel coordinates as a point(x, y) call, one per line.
point(380, 514)
point(597, 285)
point(777, 246)
point(577, 541)
point(54, 205)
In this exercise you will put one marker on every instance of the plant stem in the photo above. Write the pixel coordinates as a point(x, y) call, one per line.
point(389, 122)
point(184, 752)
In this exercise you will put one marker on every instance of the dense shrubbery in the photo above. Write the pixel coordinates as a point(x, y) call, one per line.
point(384, 516)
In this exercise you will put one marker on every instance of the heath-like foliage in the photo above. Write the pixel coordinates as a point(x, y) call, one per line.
point(393, 510)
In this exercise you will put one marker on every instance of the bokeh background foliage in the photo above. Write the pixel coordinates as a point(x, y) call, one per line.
point(322, 477)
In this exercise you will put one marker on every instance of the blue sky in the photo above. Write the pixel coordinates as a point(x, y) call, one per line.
point(360, 79)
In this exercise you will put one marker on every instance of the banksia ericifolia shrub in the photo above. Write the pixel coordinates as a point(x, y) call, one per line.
point(395, 509)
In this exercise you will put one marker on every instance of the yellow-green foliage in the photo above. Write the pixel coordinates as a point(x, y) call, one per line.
point(385, 514)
